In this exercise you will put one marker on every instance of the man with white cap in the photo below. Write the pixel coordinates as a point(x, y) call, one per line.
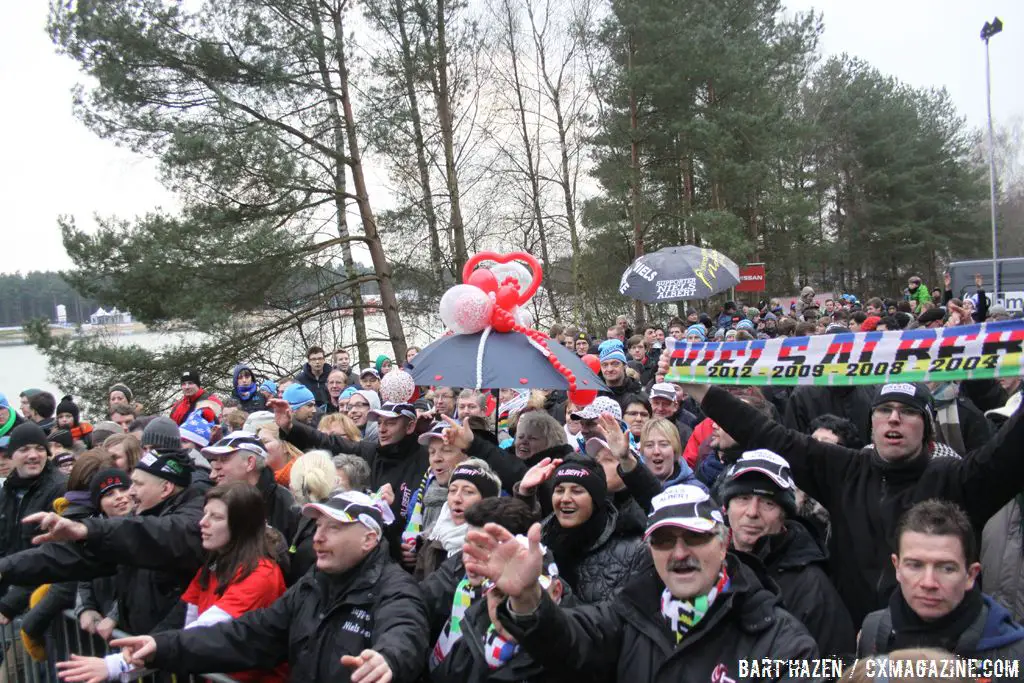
point(357, 616)
point(760, 502)
point(665, 404)
point(694, 617)
point(588, 417)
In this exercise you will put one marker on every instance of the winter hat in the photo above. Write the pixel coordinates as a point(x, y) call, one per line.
point(588, 474)
point(123, 388)
point(930, 316)
point(612, 349)
point(67, 405)
point(371, 397)
point(601, 404)
point(102, 430)
point(105, 481)
point(369, 371)
point(298, 395)
point(836, 328)
point(807, 291)
point(476, 476)
point(191, 375)
point(173, 466)
point(3, 402)
point(914, 396)
point(870, 323)
point(761, 473)
point(196, 429)
point(347, 393)
point(62, 437)
point(162, 434)
point(379, 363)
point(65, 458)
point(269, 386)
point(698, 330)
point(257, 420)
point(746, 324)
point(27, 434)
point(771, 316)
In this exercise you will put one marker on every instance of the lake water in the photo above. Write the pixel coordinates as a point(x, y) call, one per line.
point(23, 366)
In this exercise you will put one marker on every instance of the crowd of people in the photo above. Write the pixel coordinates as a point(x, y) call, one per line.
point(309, 529)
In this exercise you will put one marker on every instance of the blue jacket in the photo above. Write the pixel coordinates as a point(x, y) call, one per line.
point(1000, 630)
point(255, 401)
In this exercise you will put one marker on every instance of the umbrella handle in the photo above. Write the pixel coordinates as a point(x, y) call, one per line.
point(480, 357)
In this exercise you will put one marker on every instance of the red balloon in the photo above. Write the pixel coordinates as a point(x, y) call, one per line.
point(592, 362)
point(502, 321)
point(508, 296)
point(484, 279)
point(582, 397)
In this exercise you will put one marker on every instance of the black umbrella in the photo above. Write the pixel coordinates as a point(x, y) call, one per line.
point(679, 273)
point(508, 361)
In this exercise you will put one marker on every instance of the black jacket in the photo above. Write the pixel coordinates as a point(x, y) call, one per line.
point(609, 562)
point(865, 495)
point(853, 403)
point(153, 555)
point(375, 605)
point(317, 385)
point(630, 637)
point(506, 465)
point(301, 556)
point(630, 386)
point(796, 561)
point(38, 496)
point(400, 464)
point(279, 504)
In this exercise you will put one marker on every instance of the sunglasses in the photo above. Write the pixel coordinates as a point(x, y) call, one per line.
point(667, 539)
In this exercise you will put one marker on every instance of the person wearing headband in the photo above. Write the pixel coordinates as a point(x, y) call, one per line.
point(697, 616)
point(356, 615)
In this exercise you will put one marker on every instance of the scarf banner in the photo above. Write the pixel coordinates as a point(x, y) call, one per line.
point(923, 355)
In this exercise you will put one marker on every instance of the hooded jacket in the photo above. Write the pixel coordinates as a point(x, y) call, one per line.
point(992, 635)
point(400, 464)
point(608, 563)
point(866, 495)
point(628, 635)
point(279, 503)
point(375, 605)
point(797, 561)
point(154, 556)
point(853, 403)
point(256, 401)
point(318, 385)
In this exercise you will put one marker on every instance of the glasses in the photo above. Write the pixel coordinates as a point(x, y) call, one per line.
point(668, 539)
point(637, 413)
point(887, 411)
point(352, 405)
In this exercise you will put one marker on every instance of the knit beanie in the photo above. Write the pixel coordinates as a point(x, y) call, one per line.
point(29, 393)
point(697, 330)
point(746, 324)
point(379, 363)
point(476, 477)
point(586, 473)
point(173, 466)
point(196, 429)
point(123, 388)
point(870, 323)
point(62, 437)
point(67, 405)
point(744, 481)
point(298, 395)
point(270, 387)
point(4, 402)
point(612, 349)
point(105, 481)
point(191, 375)
point(27, 434)
point(930, 316)
point(162, 434)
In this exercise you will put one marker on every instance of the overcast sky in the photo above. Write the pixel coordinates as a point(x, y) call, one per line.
point(51, 165)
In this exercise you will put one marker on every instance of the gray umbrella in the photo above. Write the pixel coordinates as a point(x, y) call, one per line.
point(509, 361)
point(677, 274)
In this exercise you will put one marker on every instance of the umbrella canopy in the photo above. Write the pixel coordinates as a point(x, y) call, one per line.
point(679, 273)
point(510, 361)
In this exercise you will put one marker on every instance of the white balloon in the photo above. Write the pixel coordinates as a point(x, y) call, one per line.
point(513, 269)
point(466, 309)
point(524, 317)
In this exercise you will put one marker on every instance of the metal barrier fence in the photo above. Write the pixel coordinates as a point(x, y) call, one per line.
point(66, 638)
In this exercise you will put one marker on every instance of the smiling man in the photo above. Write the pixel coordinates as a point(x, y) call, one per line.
point(693, 618)
point(939, 603)
point(867, 490)
point(31, 487)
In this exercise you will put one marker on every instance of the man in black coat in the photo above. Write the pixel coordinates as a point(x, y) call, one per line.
point(356, 615)
point(760, 502)
point(314, 375)
point(699, 614)
point(807, 403)
point(154, 554)
point(866, 491)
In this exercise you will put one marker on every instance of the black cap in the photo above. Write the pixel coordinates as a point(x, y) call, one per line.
point(62, 437)
point(27, 434)
point(191, 375)
point(914, 396)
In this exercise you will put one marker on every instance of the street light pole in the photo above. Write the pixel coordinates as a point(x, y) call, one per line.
point(987, 31)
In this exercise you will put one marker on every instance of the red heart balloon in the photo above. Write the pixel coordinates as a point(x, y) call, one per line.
point(535, 269)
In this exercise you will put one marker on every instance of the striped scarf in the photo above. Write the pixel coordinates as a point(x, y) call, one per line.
point(414, 512)
point(683, 615)
point(465, 595)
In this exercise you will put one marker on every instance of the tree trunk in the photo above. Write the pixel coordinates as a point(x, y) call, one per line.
point(388, 299)
point(427, 192)
point(338, 170)
point(532, 170)
point(634, 182)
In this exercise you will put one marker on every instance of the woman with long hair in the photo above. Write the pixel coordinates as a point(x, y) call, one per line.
point(240, 574)
point(126, 449)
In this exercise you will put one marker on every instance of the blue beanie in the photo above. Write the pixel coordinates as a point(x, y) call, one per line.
point(698, 330)
point(3, 402)
point(298, 395)
point(348, 393)
point(196, 429)
point(745, 324)
point(269, 386)
point(612, 349)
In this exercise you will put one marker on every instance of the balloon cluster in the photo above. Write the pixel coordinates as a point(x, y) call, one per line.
point(492, 298)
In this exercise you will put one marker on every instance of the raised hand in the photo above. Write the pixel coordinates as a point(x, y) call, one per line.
point(538, 474)
point(282, 413)
point(456, 435)
point(369, 667)
point(979, 282)
point(613, 435)
point(56, 528)
point(136, 649)
point(493, 552)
